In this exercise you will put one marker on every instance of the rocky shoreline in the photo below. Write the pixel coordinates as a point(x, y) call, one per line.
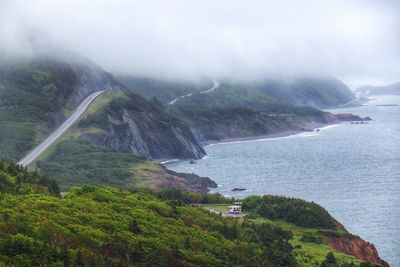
point(184, 181)
point(307, 127)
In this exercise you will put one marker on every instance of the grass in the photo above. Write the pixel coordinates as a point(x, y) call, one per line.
point(220, 207)
point(309, 253)
point(101, 102)
point(74, 161)
point(98, 104)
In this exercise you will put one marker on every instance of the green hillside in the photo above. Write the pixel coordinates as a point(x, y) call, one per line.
point(37, 95)
point(78, 158)
point(237, 111)
point(94, 226)
point(164, 90)
point(30, 95)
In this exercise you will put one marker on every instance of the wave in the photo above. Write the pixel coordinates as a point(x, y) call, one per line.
point(294, 135)
point(168, 161)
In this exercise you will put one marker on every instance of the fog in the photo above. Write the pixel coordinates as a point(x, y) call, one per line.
point(357, 41)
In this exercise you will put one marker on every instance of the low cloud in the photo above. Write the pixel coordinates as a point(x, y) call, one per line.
point(353, 40)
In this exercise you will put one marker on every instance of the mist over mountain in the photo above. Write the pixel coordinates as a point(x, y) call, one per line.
point(350, 40)
point(391, 89)
point(142, 133)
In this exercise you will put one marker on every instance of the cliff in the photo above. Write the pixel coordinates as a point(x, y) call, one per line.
point(312, 226)
point(188, 182)
point(359, 248)
point(225, 123)
point(129, 123)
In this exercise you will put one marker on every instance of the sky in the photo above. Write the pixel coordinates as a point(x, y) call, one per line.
point(357, 41)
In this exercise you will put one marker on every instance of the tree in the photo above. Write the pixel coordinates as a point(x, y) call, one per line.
point(330, 260)
point(134, 227)
point(53, 188)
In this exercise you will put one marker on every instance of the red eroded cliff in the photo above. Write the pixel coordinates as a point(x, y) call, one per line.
point(359, 248)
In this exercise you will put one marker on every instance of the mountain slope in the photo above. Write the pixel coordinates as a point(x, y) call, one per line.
point(129, 123)
point(109, 146)
point(164, 90)
point(305, 91)
point(73, 161)
point(312, 92)
point(36, 96)
point(103, 149)
point(235, 110)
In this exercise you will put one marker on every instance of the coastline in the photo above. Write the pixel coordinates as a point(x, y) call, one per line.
point(310, 127)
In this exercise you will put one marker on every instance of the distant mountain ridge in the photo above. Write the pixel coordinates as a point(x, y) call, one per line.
point(235, 110)
point(391, 89)
point(321, 92)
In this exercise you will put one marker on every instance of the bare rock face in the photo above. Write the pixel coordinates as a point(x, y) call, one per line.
point(359, 248)
point(185, 181)
point(144, 134)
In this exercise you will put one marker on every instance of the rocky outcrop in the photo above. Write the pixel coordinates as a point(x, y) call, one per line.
point(133, 124)
point(346, 117)
point(359, 248)
point(143, 135)
point(185, 181)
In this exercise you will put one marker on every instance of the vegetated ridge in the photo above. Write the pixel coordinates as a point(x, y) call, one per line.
point(105, 226)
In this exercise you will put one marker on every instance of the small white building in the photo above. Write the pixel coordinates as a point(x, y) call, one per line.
point(236, 208)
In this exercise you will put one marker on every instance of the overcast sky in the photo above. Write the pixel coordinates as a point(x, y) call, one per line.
point(357, 41)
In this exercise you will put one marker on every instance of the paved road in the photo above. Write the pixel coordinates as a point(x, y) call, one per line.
point(60, 130)
point(215, 86)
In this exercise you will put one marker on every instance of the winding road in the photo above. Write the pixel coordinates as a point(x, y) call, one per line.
point(215, 86)
point(60, 130)
point(31, 156)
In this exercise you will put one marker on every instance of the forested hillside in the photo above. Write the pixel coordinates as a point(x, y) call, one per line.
point(317, 92)
point(94, 226)
point(36, 95)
